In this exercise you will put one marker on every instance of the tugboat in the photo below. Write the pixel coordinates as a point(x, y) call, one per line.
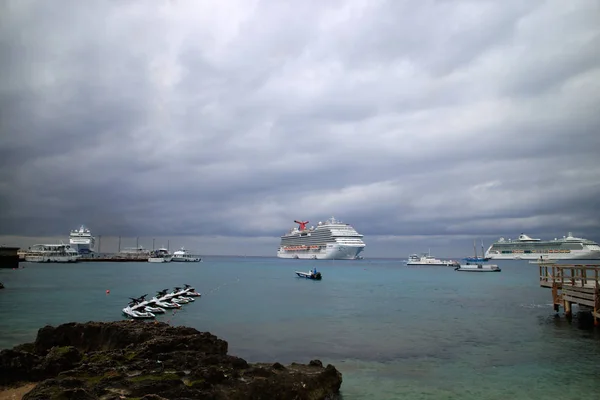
point(313, 274)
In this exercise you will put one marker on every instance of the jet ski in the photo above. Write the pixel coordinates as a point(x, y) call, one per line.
point(142, 305)
point(179, 296)
point(137, 314)
point(190, 291)
point(160, 301)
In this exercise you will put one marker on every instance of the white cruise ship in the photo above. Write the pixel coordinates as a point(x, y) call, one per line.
point(332, 240)
point(526, 248)
point(82, 240)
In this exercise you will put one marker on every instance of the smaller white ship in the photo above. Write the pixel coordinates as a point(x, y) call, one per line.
point(478, 267)
point(428, 259)
point(182, 255)
point(82, 240)
point(161, 255)
point(52, 253)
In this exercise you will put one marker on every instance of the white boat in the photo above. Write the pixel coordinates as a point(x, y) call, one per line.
point(528, 248)
point(51, 253)
point(478, 267)
point(161, 255)
point(182, 255)
point(82, 240)
point(135, 314)
point(313, 274)
point(543, 260)
point(332, 240)
point(429, 260)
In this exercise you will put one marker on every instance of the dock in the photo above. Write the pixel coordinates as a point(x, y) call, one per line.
point(9, 257)
point(573, 284)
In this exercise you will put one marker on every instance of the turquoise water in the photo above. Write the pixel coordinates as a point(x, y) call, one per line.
point(394, 331)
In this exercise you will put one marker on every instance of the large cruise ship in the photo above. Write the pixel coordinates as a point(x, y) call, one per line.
point(526, 248)
point(332, 240)
point(82, 240)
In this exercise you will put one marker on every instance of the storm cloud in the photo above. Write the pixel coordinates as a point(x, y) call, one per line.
point(431, 121)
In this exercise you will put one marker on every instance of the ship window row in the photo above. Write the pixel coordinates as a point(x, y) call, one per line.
point(537, 246)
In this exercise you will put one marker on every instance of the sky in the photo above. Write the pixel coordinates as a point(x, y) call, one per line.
point(215, 124)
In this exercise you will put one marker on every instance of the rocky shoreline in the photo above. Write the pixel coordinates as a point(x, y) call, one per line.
point(141, 360)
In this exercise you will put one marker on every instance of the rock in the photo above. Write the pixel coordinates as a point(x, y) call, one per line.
point(153, 361)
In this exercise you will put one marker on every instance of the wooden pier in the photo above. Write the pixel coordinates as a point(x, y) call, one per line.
point(573, 284)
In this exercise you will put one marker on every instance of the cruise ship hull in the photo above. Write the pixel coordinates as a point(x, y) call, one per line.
point(331, 252)
point(573, 255)
point(83, 246)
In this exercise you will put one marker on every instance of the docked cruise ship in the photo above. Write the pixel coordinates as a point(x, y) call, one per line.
point(331, 240)
point(526, 248)
point(82, 240)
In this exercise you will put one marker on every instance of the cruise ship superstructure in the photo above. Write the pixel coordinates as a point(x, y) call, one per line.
point(82, 240)
point(330, 240)
point(527, 248)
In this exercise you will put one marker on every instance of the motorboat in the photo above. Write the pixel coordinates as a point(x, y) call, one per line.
point(543, 260)
point(478, 267)
point(313, 274)
point(190, 291)
point(161, 255)
point(429, 260)
point(182, 255)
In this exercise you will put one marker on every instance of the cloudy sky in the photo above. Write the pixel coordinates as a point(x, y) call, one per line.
point(425, 124)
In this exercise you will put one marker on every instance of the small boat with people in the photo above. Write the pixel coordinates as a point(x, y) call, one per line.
point(543, 260)
point(478, 267)
point(182, 255)
point(313, 274)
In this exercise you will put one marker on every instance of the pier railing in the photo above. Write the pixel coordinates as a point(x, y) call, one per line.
point(587, 276)
point(573, 284)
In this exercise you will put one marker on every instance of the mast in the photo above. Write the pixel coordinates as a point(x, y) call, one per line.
point(474, 249)
point(482, 252)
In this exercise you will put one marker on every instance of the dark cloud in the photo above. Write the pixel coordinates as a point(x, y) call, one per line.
point(435, 121)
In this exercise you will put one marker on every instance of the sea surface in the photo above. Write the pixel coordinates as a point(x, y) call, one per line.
point(395, 332)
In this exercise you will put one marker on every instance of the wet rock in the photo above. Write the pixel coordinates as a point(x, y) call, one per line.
point(315, 363)
point(127, 359)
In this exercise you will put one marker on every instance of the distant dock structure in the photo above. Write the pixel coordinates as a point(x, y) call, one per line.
point(9, 257)
point(573, 284)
